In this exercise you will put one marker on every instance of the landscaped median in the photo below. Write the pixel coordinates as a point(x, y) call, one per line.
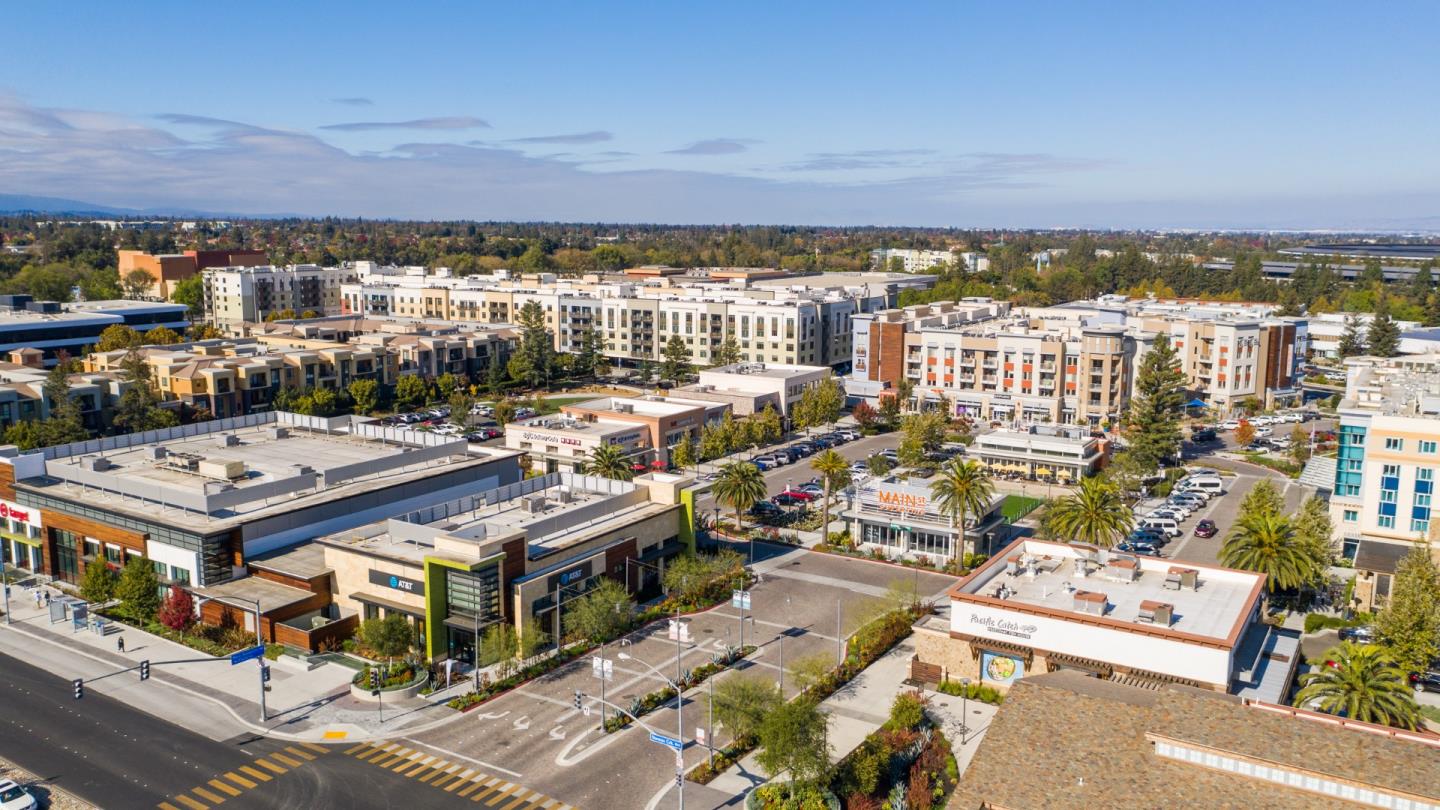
point(645, 704)
point(402, 679)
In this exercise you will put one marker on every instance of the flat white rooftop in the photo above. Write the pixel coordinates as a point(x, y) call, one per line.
point(1049, 575)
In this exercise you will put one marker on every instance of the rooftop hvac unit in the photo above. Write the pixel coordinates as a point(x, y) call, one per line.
point(95, 463)
point(625, 407)
point(1156, 612)
point(1091, 602)
point(227, 440)
point(158, 452)
point(535, 504)
point(221, 470)
point(303, 469)
point(563, 495)
point(277, 433)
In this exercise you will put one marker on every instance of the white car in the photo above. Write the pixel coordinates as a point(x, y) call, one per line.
point(1230, 424)
point(1263, 431)
point(14, 797)
point(1293, 416)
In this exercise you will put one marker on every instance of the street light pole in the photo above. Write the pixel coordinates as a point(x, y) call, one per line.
point(5, 586)
point(679, 720)
point(258, 643)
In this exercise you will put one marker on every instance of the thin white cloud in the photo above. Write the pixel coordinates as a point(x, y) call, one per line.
point(447, 122)
point(714, 146)
point(354, 101)
point(593, 136)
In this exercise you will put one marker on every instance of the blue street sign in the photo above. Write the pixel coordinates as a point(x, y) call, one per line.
point(246, 655)
point(669, 742)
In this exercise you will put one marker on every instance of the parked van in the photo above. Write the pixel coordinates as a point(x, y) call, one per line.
point(1169, 526)
point(1211, 485)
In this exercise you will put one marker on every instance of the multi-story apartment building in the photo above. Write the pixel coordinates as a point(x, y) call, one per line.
point(913, 261)
point(53, 328)
point(167, 269)
point(235, 296)
point(1386, 467)
point(773, 318)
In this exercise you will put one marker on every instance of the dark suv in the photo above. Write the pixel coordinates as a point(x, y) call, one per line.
point(1427, 681)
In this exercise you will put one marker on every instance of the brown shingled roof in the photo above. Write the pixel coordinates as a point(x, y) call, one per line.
point(1064, 740)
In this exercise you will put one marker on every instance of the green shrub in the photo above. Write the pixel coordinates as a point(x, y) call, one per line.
point(908, 710)
point(975, 691)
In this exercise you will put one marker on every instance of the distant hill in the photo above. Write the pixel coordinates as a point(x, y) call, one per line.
point(34, 204)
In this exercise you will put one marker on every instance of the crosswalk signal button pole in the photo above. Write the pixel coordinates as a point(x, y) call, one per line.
point(79, 685)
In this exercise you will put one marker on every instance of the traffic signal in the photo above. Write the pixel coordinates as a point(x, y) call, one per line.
point(79, 685)
point(265, 674)
point(144, 670)
point(577, 698)
point(679, 779)
point(374, 679)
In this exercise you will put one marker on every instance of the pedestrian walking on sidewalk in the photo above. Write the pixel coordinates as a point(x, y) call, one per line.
point(120, 644)
point(37, 598)
point(47, 599)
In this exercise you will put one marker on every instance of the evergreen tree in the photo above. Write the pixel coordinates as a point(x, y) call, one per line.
point(139, 408)
point(675, 359)
point(139, 589)
point(1352, 340)
point(727, 353)
point(1383, 336)
point(65, 424)
point(1422, 284)
point(1409, 625)
point(98, 584)
point(1432, 309)
point(1155, 410)
point(537, 347)
point(589, 354)
point(495, 378)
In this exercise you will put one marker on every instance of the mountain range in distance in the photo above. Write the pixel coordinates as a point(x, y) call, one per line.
point(36, 204)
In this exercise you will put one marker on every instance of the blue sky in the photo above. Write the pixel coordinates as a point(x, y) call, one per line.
point(966, 114)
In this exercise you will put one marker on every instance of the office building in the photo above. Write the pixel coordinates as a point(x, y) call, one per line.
point(749, 387)
point(1041, 606)
point(1058, 453)
point(648, 428)
point(166, 269)
point(1326, 330)
point(53, 328)
point(1064, 741)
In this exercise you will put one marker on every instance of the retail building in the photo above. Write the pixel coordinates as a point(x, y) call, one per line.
point(648, 428)
point(902, 519)
point(749, 387)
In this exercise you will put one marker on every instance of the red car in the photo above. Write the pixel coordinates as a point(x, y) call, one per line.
point(800, 494)
point(1206, 528)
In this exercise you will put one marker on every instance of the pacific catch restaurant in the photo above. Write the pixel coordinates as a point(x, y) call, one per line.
point(901, 518)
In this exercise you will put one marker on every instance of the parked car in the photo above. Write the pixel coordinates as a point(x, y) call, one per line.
point(764, 464)
point(1263, 430)
point(778, 459)
point(1154, 537)
point(1206, 528)
point(813, 490)
point(1169, 526)
point(15, 797)
point(1427, 681)
point(890, 454)
point(524, 413)
point(765, 509)
point(1203, 435)
point(822, 443)
point(1179, 514)
point(850, 435)
point(788, 498)
point(1364, 634)
point(1293, 417)
point(803, 448)
point(801, 493)
point(1230, 424)
point(859, 467)
point(1145, 549)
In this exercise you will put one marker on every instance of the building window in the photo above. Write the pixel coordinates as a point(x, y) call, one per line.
point(1352, 515)
point(1386, 521)
point(1419, 526)
point(1392, 443)
point(1428, 447)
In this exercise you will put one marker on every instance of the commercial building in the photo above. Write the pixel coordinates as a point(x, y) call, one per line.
point(900, 518)
point(911, 260)
point(1327, 328)
point(508, 554)
point(200, 500)
point(235, 296)
point(1385, 467)
point(1041, 606)
point(1063, 741)
point(648, 428)
point(166, 269)
point(772, 317)
point(1058, 453)
point(749, 387)
point(53, 328)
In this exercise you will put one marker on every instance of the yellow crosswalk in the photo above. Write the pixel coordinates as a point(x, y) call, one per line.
point(461, 781)
point(232, 784)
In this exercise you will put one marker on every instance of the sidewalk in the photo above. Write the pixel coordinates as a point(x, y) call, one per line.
point(856, 710)
point(301, 704)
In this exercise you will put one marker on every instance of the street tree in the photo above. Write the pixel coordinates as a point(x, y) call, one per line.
point(1361, 682)
point(792, 739)
point(504, 411)
point(834, 473)
point(603, 613)
point(743, 701)
point(769, 428)
point(138, 589)
point(98, 584)
point(1266, 543)
point(366, 396)
point(1155, 409)
point(460, 403)
point(1244, 433)
point(500, 646)
point(536, 356)
point(739, 486)
point(447, 383)
point(177, 612)
point(410, 392)
point(1315, 531)
point(1409, 624)
point(713, 443)
point(727, 353)
point(1095, 513)
point(962, 489)
point(390, 637)
point(684, 454)
point(1263, 498)
point(675, 360)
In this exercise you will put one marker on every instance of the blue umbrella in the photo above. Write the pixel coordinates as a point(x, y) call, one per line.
point(1196, 403)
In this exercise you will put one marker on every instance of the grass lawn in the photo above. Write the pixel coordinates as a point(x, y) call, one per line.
point(1015, 507)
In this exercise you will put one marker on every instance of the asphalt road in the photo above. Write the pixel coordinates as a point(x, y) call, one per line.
point(118, 758)
point(778, 478)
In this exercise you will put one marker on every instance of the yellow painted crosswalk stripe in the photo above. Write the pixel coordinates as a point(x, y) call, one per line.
point(371, 753)
point(352, 749)
point(464, 777)
point(167, 806)
point(405, 761)
point(475, 784)
point(519, 801)
point(208, 795)
point(417, 769)
point(240, 780)
point(319, 749)
point(218, 785)
point(191, 803)
point(509, 786)
point(305, 755)
point(269, 766)
point(255, 773)
point(291, 761)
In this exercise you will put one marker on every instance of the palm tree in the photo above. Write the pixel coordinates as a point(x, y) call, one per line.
point(1361, 682)
point(609, 461)
point(962, 487)
point(1095, 513)
point(1267, 544)
point(834, 472)
point(739, 486)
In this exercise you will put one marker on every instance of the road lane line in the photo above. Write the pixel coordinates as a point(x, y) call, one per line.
point(218, 785)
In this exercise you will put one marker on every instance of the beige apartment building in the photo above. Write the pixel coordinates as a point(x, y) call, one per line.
point(235, 296)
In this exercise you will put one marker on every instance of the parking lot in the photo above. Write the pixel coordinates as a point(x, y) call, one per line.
point(1223, 511)
point(535, 734)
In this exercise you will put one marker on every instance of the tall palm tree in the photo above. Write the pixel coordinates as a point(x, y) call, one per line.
point(1361, 682)
point(1268, 544)
point(739, 486)
point(1095, 513)
point(609, 461)
point(962, 488)
point(834, 472)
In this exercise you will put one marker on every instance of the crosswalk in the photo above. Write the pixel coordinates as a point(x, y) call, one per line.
point(462, 783)
point(232, 784)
